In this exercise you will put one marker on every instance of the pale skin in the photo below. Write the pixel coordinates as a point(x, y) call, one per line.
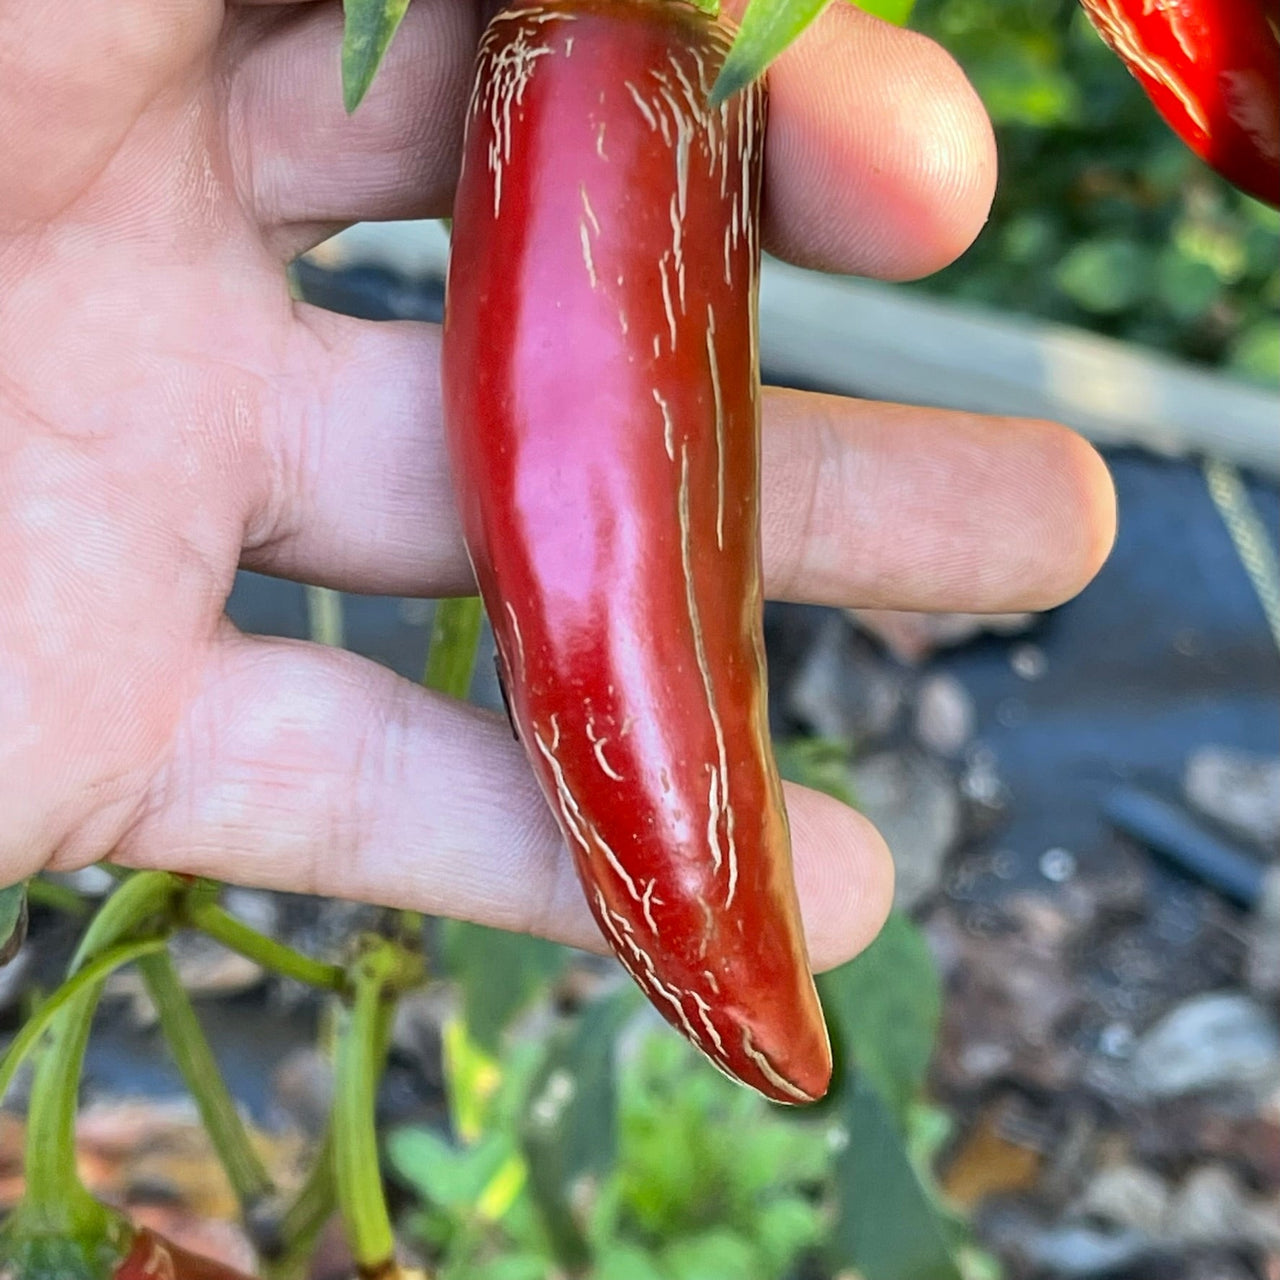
point(168, 413)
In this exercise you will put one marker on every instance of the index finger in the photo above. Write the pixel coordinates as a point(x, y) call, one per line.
point(880, 159)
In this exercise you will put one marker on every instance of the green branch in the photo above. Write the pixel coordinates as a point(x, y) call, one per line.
point(455, 638)
point(40, 1021)
point(212, 920)
point(381, 972)
point(190, 1048)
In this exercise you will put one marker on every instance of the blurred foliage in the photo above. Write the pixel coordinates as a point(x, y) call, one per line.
point(1102, 217)
point(598, 1143)
point(13, 920)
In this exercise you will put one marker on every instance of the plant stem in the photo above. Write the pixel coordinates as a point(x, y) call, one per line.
point(53, 1187)
point(325, 616)
point(140, 897)
point(190, 1048)
point(223, 927)
point(362, 1048)
point(39, 1022)
point(45, 893)
point(451, 666)
point(455, 639)
point(305, 1216)
point(54, 1193)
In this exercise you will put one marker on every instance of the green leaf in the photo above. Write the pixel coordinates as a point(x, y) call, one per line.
point(499, 973)
point(784, 1227)
point(627, 1262)
point(13, 920)
point(570, 1126)
point(1256, 352)
point(515, 1266)
point(714, 1255)
point(895, 11)
point(884, 1008)
point(770, 26)
point(1187, 286)
point(819, 763)
point(442, 1174)
point(367, 31)
point(1107, 275)
point(887, 1226)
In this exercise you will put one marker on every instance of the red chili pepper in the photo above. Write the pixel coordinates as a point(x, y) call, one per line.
point(107, 1248)
point(601, 384)
point(152, 1257)
point(1212, 70)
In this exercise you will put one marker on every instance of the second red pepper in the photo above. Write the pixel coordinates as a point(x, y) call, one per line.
point(1212, 70)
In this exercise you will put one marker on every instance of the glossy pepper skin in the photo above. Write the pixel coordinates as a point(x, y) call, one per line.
point(1212, 70)
point(601, 387)
point(152, 1257)
point(113, 1250)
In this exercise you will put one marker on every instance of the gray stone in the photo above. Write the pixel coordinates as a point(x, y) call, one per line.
point(1126, 1195)
point(92, 881)
point(1212, 1206)
point(302, 1089)
point(1081, 1251)
point(916, 806)
point(1239, 789)
point(1029, 661)
point(13, 979)
point(1209, 1042)
point(842, 691)
point(945, 715)
point(913, 637)
point(1262, 957)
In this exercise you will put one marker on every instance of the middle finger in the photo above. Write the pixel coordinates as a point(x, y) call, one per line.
point(863, 503)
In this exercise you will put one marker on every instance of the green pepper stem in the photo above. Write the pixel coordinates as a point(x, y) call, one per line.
point(141, 897)
point(379, 973)
point(304, 1216)
point(73, 989)
point(249, 1178)
point(451, 665)
point(54, 1192)
point(223, 927)
point(53, 1187)
point(325, 616)
point(455, 640)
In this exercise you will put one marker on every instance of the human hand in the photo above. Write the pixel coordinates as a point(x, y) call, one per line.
point(168, 412)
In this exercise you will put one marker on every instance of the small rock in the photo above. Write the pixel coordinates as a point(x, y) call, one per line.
point(1029, 661)
point(302, 1089)
point(916, 806)
point(1058, 865)
point(1011, 999)
point(92, 881)
point(1239, 789)
point(945, 715)
point(1212, 1206)
point(1262, 957)
point(1126, 1195)
point(253, 907)
point(981, 781)
point(1184, 1132)
point(13, 979)
point(913, 637)
point(1214, 1041)
point(419, 1029)
point(842, 690)
point(1077, 1252)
